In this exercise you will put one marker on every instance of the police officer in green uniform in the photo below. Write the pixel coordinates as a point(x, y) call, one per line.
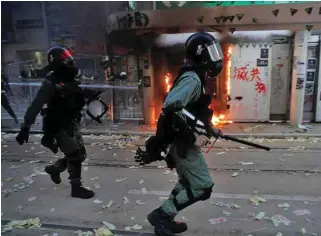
point(203, 59)
point(65, 100)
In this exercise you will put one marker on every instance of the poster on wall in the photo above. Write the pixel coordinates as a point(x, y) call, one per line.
point(312, 64)
point(262, 63)
point(309, 88)
point(264, 53)
point(146, 81)
point(250, 85)
point(310, 76)
point(299, 83)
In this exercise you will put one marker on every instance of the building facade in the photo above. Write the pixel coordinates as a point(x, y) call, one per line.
point(270, 74)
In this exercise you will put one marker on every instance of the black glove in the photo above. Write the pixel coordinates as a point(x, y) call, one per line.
point(23, 135)
point(152, 153)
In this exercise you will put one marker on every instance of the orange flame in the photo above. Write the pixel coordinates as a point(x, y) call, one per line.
point(219, 119)
point(168, 86)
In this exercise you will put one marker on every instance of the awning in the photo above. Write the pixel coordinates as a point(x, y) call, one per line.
point(291, 17)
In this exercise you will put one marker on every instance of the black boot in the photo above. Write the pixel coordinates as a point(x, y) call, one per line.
point(164, 224)
point(54, 170)
point(78, 191)
point(54, 174)
point(49, 143)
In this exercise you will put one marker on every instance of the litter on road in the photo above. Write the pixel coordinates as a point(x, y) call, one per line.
point(284, 205)
point(301, 212)
point(235, 174)
point(22, 224)
point(255, 200)
point(109, 225)
point(279, 219)
point(217, 220)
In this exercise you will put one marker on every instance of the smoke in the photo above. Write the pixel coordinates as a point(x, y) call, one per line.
point(169, 40)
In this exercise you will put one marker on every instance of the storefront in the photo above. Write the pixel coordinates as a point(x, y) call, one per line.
point(256, 82)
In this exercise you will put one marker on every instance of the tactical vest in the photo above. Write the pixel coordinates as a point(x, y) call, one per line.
point(67, 102)
point(200, 109)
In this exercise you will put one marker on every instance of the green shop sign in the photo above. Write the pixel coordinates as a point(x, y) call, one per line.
point(185, 4)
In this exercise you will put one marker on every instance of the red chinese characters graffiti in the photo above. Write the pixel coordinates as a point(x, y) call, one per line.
point(260, 87)
point(242, 73)
point(255, 73)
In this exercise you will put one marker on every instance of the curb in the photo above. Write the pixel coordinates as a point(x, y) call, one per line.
point(145, 134)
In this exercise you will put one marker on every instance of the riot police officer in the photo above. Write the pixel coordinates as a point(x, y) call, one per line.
point(64, 98)
point(203, 59)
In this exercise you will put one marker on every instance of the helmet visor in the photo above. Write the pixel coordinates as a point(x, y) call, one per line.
point(215, 51)
point(66, 57)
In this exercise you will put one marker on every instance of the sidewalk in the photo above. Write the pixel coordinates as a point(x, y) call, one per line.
point(240, 130)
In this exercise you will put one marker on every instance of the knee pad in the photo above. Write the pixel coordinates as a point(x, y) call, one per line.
point(207, 193)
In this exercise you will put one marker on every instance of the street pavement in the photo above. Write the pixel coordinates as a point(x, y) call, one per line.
point(257, 130)
point(125, 193)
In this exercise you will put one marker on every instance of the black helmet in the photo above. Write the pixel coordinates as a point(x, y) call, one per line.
point(60, 56)
point(205, 52)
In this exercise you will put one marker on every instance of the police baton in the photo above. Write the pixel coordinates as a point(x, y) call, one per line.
point(212, 132)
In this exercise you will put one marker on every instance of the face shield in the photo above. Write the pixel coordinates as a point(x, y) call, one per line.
point(215, 52)
point(215, 63)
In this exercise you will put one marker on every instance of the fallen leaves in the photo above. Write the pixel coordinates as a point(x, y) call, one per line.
point(22, 224)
